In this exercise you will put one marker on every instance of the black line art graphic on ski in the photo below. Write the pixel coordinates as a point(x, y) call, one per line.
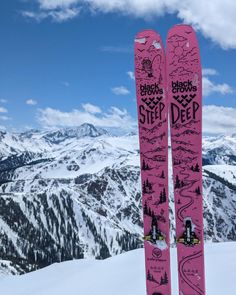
point(188, 32)
point(162, 196)
point(188, 184)
point(151, 278)
point(161, 199)
point(153, 140)
point(157, 253)
point(187, 132)
point(184, 99)
point(189, 124)
point(182, 54)
point(185, 57)
point(184, 276)
point(163, 281)
point(181, 72)
point(158, 149)
point(184, 150)
point(195, 168)
point(147, 187)
point(179, 160)
point(176, 39)
point(152, 102)
point(197, 191)
point(148, 212)
point(146, 166)
point(155, 154)
point(155, 158)
point(184, 156)
point(147, 65)
point(162, 174)
point(179, 183)
point(153, 129)
point(180, 142)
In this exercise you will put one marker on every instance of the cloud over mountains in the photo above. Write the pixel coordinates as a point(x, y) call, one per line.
point(213, 18)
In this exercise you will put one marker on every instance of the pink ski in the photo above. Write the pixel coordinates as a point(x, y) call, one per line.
point(153, 138)
point(184, 82)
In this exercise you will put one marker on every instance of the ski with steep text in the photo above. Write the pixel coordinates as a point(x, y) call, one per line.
point(153, 139)
point(184, 82)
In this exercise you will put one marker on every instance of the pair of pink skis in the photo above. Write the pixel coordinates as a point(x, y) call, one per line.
point(169, 88)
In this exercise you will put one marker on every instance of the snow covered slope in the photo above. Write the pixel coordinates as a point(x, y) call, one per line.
point(123, 274)
point(219, 150)
point(226, 172)
point(75, 193)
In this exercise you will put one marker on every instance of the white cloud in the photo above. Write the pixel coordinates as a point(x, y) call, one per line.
point(209, 87)
point(219, 119)
point(216, 19)
point(121, 90)
point(2, 128)
point(92, 109)
point(209, 72)
point(3, 110)
point(38, 16)
point(57, 16)
point(216, 119)
point(113, 118)
point(131, 75)
point(3, 100)
point(5, 118)
point(54, 4)
point(31, 102)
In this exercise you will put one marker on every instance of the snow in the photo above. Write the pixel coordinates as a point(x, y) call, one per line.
point(123, 274)
point(113, 160)
point(227, 172)
point(6, 268)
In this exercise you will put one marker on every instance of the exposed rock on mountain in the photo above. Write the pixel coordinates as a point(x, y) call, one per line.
point(74, 193)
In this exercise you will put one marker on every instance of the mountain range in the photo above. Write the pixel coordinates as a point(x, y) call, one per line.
point(75, 193)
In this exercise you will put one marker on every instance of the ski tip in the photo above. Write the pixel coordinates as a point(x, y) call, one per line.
point(188, 29)
point(145, 33)
point(150, 37)
point(182, 26)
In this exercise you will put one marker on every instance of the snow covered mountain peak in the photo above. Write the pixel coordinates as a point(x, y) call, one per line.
point(85, 130)
point(77, 192)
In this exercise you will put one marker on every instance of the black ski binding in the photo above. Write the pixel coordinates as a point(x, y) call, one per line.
point(154, 234)
point(189, 237)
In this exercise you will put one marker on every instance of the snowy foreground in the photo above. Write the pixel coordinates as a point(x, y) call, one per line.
point(119, 275)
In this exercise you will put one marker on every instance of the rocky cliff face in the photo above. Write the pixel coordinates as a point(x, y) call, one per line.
point(74, 193)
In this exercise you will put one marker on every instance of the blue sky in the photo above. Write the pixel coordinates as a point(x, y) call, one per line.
point(64, 62)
